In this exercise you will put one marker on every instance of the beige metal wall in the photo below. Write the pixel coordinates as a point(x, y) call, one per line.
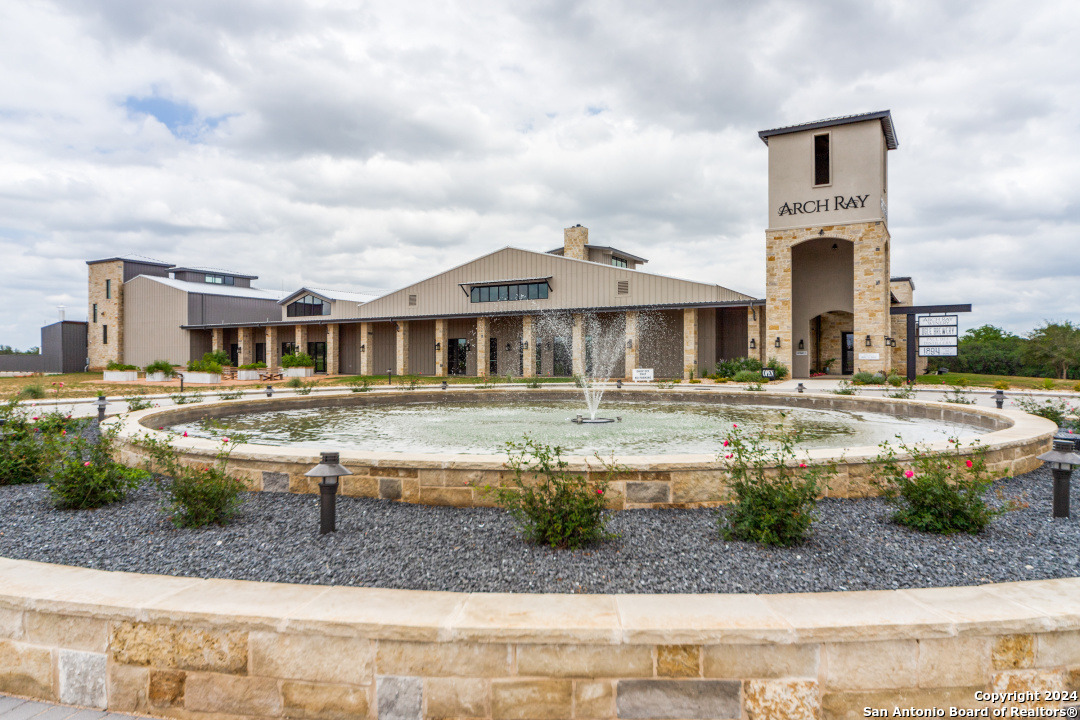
point(349, 352)
point(660, 336)
point(574, 284)
point(384, 340)
point(707, 340)
point(422, 347)
point(858, 168)
point(153, 314)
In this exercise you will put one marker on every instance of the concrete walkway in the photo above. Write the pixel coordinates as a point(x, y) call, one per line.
point(13, 708)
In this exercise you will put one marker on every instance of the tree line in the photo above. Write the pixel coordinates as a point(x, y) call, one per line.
point(1052, 350)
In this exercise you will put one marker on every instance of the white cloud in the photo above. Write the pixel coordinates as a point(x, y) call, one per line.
point(371, 146)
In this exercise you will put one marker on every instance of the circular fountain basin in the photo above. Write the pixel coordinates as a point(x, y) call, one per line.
point(685, 472)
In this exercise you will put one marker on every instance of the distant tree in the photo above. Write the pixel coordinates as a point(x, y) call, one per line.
point(8, 350)
point(1056, 345)
point(989, 350)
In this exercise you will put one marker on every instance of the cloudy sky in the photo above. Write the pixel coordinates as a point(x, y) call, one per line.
point(365, 145)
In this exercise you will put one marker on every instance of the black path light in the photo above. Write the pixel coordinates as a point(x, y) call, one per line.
point(329, 469)
point(1062, 460)
point(999, 398)
point(800, 387)
point(269, 390)
point(101, 403)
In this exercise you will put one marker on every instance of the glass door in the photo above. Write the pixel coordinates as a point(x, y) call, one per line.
point(457, 362)
point(847, 362)
point(317, 351)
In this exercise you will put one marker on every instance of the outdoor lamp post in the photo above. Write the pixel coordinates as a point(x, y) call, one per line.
point(800, 387)
point(101, 403)
point(999, 399)
point(1062, 459)
point(329, 469)
point(443, 384)
point(269, 390)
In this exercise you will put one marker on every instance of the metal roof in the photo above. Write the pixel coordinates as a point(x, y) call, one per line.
point(203, 288)
point(331, 295)
point(212, 271)
point(133, 259)
point(885, 116)
point(614, 251)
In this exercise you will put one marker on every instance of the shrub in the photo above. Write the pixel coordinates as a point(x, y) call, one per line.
point(1048, 384)
point(34, 391)
point(219, 357)
point(137, 403)
point(205, 365)
point(114, 366)
point(747, 376)
point(845, 388)
point(294, 383)
point(553, 507)
point(895, 379)
point(86, 476)
point(826, 364)
point(775, 494)
point(778, 367)
point(694, 380)
point(253, 366)
point(195, 496)
point(360, 385)
point(1004, 385)
point(231, 395)
point(865, 378)
point(904, 392)
point(1051, 409)
point(161, 366)
point(936, 492)
point(958, 396)
point(297, 359)
point(24, 456)
point(411, 382)
point(730, 368)
point(181, 399)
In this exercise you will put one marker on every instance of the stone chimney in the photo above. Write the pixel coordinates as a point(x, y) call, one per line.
point(574, 241)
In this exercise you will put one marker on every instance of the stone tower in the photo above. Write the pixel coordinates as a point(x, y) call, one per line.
point(105, 313)
point(828, 245)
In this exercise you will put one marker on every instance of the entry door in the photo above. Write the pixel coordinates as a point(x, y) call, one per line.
point(317, 351)
point(562, 359)
point(260, 352)
point(493, 356)
point(457, 356)
point(847, 362)
point(234, 354)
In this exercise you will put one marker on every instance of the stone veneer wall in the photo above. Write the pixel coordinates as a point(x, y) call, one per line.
point(110, 312)
point(647, 481)
point(222, 649)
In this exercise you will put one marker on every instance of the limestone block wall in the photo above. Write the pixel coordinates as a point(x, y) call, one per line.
point(832, 324)
point(110, 313)
point(223, 650)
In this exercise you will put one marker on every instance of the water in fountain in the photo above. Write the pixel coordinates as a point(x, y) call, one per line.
point(604, 343)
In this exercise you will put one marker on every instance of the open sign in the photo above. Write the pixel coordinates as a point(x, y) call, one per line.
point(768, 373)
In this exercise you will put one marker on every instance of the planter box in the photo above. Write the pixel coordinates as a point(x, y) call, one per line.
point(121, 375)
point(298, 372)
point(202, 378)
point(248, 374)
point(156, 377)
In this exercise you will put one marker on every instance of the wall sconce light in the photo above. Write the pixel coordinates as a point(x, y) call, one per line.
point(507, 347)
point(525, 345)
point(890, 342)
point(363, 347)
point(801, 345)
point(869, 342)
point(753, 344)
point(438, 346)
point(629, 343)
point(777, 343)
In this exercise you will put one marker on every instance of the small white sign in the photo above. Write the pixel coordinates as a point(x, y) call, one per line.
point(802, 352)
point(937, 341)
point(937, 330)
point(938, 320)
point(869, 356)
point(643, 374)
point(937, 351)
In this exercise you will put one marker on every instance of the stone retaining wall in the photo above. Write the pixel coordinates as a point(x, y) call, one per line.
point(1013, 441)
point(192, 649)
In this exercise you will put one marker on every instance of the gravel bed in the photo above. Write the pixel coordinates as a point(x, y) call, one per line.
point(392, 545)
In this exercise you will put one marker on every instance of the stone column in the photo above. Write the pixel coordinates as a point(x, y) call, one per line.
point(482, 347)
point(301, 338)
point(689, 334)
point(247, 346)
point(631, 343)
point(442, 350)
point(577, 345)
point(528, 351)
point(333, 353)
point(217, 339)
point(402, 337)
point(367, 349)
point(778, 298)
point(273, 348)
point(872, 300)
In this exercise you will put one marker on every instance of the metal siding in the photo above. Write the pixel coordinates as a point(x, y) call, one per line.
point(732, 330)
point(385, 352)
point(75, 338)
point(349, 340)
point(422, 347)
point(22, 363)
point(707, 340)
point(661, 341)
point(200, 342)
point(574, 284)
point(223, 309)
point(134, 269)
point(153, 314)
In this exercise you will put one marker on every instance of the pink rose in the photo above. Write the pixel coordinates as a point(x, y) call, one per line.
point(909, 474)
point(599, 491)
point(728, 456)
point(734, 425)
point(224, 440)
point(726, 443)
point(802, 465)
point(86, 464)
point(63, 432)
point(185, 433)
point(969, 463)
point(34, 418)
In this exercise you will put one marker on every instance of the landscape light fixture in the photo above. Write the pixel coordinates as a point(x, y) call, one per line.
point(777, 343)
point(618, 384)
point(753, 344)
point(329, 470)
point(999, 399)
point(800, 387)
point(101, 403)
point(1062, 460)
point(269, 390)
point(869, 342)
point(443, 384)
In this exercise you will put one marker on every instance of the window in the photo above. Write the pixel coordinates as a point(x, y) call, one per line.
point(503, 293)
point(307, 306)
point(618, 262)
point(104, 334)
point(493, 356)
point(821, 160)
point(108, 289)
point(215, 279)
point(95, 312)
point(288, 348)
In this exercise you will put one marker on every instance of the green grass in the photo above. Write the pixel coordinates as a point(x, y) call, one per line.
point(987, 381)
